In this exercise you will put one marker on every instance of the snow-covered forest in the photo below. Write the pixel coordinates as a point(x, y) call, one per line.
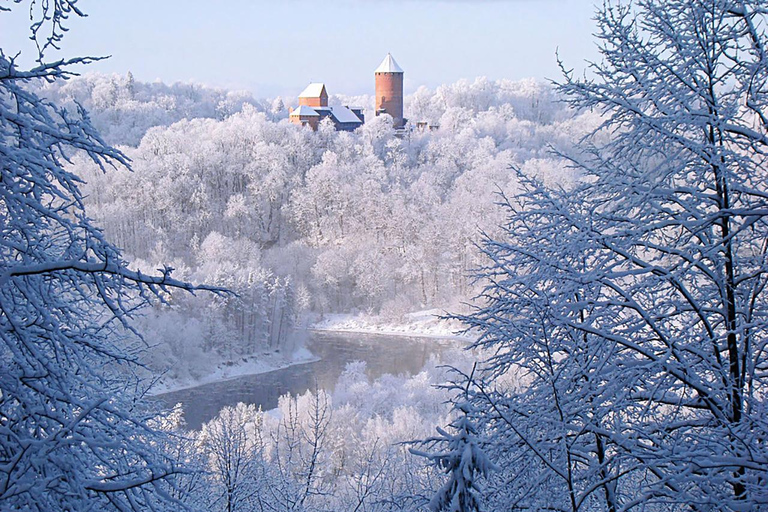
point(299, 222)
point(604, 239)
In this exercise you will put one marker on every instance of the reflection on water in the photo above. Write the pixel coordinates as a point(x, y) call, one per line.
point(383, 354)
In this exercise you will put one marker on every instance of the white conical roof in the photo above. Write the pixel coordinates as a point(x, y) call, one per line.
point(388, 65)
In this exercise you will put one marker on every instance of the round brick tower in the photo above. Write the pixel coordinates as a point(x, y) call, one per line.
point(389, 90)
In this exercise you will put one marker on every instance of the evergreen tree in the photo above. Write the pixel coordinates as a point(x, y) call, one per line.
point(461, 459)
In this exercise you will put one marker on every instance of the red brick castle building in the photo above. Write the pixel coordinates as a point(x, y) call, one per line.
point(313, 101)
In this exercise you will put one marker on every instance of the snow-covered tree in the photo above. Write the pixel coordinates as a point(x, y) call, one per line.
point(634, 303)
point(74, 433)
point(459, 456)
point(232, 442)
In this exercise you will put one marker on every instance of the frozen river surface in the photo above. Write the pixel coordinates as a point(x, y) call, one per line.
point(383, 354)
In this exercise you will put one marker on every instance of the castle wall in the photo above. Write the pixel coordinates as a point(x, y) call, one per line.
point(311, 121)
point(321, 101)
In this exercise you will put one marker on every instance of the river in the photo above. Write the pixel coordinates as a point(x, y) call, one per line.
point(383, 354)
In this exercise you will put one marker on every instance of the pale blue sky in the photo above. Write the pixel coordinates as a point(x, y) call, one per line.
point(277, 47)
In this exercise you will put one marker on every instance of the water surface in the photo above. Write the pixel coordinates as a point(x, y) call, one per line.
point(382, 354)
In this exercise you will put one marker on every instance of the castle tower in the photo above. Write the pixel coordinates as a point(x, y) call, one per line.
point(314, 95)
point(389, 90)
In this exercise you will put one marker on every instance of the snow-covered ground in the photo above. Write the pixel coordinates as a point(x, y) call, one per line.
point(425, 324)
point(253, 365)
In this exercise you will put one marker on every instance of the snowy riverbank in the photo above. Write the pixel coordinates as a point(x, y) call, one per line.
point(253, 365)
point(421, 324)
